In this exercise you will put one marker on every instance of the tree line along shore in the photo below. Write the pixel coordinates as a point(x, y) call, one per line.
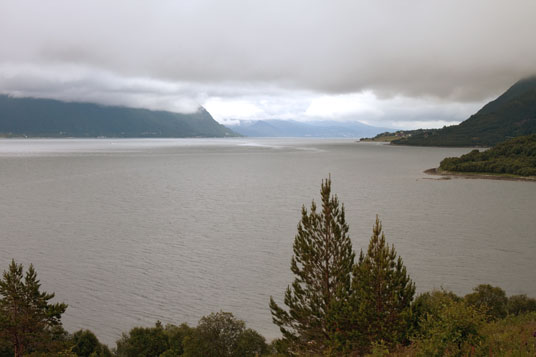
point(340, 304)
point(514, 157)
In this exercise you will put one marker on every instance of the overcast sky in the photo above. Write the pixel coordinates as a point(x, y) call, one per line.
point(402, 64)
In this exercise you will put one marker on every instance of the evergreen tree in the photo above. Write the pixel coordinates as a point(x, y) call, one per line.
point(381, 295)
point(322, 262)
point(27, 319)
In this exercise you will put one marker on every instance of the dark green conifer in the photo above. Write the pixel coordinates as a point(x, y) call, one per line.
point(27, 319)
point(382, 292)
point(322, 262)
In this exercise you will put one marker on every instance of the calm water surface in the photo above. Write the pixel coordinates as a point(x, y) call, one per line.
point(128, 232)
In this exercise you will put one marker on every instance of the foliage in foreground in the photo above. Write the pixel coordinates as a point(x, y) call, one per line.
point(450, 327)
point(336, 306)
point(222, 335)
point(381, 295)
point(511, 336)
point(27, 319)
point(489, 298)
point(218, 335)
point(143, 342)
point(85, 344)
point(322, 263)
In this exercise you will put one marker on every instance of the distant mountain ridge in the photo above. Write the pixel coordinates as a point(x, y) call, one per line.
point(291, 128)
point(53, 118)
point(511, 115)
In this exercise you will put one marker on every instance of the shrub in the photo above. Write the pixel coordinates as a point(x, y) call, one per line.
point(454, 329)
point(518, 304)
point(489, 298)
point(86, 344)
point(222, 335)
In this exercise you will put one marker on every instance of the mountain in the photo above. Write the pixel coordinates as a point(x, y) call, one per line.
point(510, 115)
point(291, 128)
point(53, 118)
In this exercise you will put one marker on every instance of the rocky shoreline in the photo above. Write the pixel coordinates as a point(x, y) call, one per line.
point(445, 175)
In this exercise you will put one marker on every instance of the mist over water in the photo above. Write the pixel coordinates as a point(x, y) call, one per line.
point(128, 232)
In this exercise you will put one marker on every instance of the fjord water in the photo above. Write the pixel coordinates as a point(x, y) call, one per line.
point(128, 232)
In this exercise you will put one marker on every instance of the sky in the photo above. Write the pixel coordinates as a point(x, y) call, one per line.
point(397, 64)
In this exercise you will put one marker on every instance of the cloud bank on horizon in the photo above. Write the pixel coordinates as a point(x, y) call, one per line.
point(387, 63)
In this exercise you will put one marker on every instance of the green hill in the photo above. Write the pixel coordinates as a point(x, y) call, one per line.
point(515, 156)
point(510, 115)
point(52, 118)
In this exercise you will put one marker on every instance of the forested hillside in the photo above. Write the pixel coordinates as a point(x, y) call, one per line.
point(510, 115)
point(515, 156)
point(53, 118)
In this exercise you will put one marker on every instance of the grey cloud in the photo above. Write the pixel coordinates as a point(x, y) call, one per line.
point(75, 83)
point(430, 62)
point(462, 50)
point(81, 83)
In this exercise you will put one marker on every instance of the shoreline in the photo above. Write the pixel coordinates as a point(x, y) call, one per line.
point(445, 175)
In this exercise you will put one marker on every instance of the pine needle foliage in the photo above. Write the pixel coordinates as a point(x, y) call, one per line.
point(382, 292)
point(322, 263)
point(26, 316)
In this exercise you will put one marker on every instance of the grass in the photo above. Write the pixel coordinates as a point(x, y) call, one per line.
point(513, 336)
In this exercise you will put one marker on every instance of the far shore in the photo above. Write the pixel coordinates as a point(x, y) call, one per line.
point(477, 175)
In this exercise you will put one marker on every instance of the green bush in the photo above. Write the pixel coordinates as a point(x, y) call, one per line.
point(429, 304)
point(452, 330)
point(86, 344)
point(222, 335)
point(488, 298)
point(143, 342)
point(176, 336)
point(519, 304)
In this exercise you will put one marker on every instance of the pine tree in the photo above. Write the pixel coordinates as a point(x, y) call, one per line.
point(381, 295)
point(322, 262)
point(26, 317)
